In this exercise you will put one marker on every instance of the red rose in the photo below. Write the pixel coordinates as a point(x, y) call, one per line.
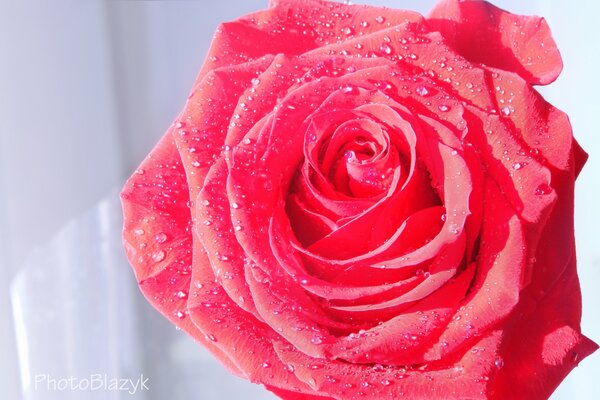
point(360, 202)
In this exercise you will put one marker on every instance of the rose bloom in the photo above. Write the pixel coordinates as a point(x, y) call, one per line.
point(363, 203)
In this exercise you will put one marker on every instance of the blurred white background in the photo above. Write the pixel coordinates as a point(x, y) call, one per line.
point(86, 89)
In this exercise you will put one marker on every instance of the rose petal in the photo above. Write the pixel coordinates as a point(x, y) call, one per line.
point(484, 33)
point(534, 364)
point(467, 378)
point(157, 238)
point(498, 280)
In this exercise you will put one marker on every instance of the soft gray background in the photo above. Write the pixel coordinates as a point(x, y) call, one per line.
point(87, 88)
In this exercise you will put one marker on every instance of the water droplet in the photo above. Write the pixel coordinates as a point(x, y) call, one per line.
point(459, 368)
point(140, 172)
point(454, 229)
point(160, 237)
point(499, 363)
point(386, 382)
point(158, 256)
point(195, 163)
point(180, 125)
point(378, 368)
point(380, 19)
point(181, 294)
point(386, 49)
point(422, 91)
point(210, 337)
point(180, 314)
point(265, 365)
point(350, 90)
point(364, 24)
point(138, 232)
point(517, 166)
point(237, 228)
point(543, 189)
point(506, 111)
point(347, 31)
point(255, 81)
point(443, 108)
point(235, 205)
point(316, 340)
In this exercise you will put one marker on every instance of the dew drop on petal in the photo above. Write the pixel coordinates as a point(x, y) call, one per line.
point(386, 49)
point(138, 232)
point(347, 31)
point(316, 340)
point(160, 237)
point(380, 19)
point(499, 363)
point(378, 368)
point(350, 90)
point(158, 256)
point(422, 91)
point(210, 337)
point(543, 189)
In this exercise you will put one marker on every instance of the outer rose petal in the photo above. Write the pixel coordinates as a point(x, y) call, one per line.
point(536, 362)
point(579, 156)
point(157, 237)
point(467, 378)
point(487, 34)
point(296, 27)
